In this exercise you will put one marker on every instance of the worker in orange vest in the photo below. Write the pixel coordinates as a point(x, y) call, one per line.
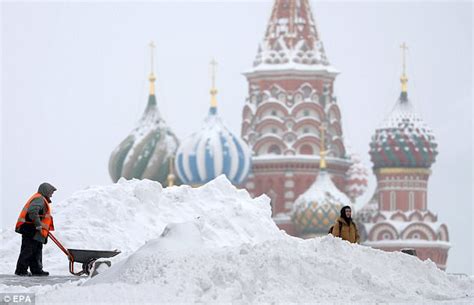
point(34, 223)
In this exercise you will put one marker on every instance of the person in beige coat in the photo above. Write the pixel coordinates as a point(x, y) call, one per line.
point(345, 227)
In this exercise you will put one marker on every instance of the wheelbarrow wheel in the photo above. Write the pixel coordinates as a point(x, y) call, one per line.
point(100, 266)
point(87, 267)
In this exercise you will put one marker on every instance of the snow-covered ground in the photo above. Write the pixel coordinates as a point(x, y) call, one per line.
point(215, 244)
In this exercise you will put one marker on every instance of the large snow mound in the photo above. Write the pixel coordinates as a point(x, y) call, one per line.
point(126, 214)
point(184, 266)
point(217, 244)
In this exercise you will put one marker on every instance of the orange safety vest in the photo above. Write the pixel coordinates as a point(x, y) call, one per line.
point(46, 218)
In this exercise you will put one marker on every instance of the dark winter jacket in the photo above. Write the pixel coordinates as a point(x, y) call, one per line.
point(347, 232)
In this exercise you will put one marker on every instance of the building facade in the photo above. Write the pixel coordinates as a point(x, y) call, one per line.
point(291, 95)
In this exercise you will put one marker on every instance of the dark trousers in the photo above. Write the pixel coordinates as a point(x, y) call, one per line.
point(31, 255)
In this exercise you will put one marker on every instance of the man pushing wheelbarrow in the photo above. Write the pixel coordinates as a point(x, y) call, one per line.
point(35, 224)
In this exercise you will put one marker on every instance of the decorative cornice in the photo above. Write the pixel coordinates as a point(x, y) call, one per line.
point(402, 170)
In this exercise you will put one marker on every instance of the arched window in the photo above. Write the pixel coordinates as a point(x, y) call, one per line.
point(274, 149)
point(306, 150)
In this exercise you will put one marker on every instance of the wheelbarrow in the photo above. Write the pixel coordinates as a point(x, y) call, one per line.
point(87, 258)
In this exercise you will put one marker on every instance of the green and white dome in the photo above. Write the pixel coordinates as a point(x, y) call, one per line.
point(147, 152)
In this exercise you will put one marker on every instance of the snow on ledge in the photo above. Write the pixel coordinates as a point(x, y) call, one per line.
point(408, 243)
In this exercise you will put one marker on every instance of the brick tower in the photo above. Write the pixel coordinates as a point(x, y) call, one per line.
point(290, 96)
point(402, 150)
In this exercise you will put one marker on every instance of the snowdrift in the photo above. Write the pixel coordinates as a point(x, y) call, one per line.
point(126, 214)
point(216, 244)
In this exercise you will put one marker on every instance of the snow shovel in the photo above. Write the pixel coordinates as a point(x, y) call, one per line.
point(88, 258)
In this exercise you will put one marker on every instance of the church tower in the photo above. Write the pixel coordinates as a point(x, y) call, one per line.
point(290, 96)
point(402, 150)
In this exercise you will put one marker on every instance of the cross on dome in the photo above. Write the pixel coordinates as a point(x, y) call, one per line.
point(403, 78)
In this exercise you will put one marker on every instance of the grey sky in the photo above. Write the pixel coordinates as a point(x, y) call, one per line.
point(74, 83)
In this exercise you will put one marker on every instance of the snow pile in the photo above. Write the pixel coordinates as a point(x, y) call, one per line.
point(216, 244)
point(126, 214)
point(183, 265)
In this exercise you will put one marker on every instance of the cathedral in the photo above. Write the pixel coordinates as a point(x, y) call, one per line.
point(292, 148)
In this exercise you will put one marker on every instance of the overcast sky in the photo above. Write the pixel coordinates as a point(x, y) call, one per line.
point(74, 84)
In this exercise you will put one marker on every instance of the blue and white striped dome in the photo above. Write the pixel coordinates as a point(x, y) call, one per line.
point(212, 151)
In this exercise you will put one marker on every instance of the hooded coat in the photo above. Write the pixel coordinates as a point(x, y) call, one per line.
point(345, 228)
point(37, 207)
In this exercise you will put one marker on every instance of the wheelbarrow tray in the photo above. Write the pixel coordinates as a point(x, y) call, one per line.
point(85, 256)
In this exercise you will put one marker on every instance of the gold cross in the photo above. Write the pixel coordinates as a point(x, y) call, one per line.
point(213, 65)
point(404, 48)
point(152, 47)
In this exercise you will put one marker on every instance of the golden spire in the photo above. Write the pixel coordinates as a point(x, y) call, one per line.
point(213, 91)
point(152, 77)
point(171, 177)
point(322, 148)
point(403, 78)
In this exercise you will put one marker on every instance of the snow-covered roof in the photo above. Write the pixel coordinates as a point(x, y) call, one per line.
point(292, 42)
point(400, 226)
point(408, 243)
point(298, 158)
point(402, 112)
point(292, 67)
point(403, 139)
point(407, 214)
point(322, 191)
point(211, 151)
point(146, 151)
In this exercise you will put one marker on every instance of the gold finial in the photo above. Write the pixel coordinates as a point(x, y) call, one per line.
point(322, 148)
point(403, 78)
point(213, 65)
point(152, 77)
point(171, 177)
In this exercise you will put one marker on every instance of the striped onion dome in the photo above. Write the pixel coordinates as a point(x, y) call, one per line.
point(317, 209)
point(147, 151)
point(403, 139)
point(212, 151)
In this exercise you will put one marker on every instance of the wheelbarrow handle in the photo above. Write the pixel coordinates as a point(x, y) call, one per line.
point(60, 246)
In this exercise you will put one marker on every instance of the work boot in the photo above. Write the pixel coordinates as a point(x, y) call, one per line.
point(25, 273)
point(41, 273)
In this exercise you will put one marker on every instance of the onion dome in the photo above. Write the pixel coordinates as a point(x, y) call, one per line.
point(357, 178)
point(403, 139)
point(316, 210)
point(147, 152)
point(212, 151)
